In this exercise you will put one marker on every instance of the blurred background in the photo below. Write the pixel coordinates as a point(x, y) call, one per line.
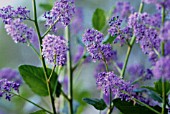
point(12, 55)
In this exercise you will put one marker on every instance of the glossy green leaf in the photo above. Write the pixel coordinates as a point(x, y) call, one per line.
point(99, 104)
point(130, 108)
point(46, 7)
point(34, 77)
point(158, 87)
point(39, 112)
point(99, 19)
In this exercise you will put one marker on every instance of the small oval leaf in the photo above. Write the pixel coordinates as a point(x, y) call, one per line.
point(99, 19)
point(99, 104)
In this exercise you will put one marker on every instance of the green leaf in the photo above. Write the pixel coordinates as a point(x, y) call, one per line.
point(34, 77)
point(158, 87)
point(129, 108)
point(99, 19)
point(39, 112)
point(155, 96)
point(99, 104)
point(110, 39)
point(46, 7)
point(58, 89)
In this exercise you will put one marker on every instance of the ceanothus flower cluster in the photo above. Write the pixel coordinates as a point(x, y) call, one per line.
point(123, 9)
point(138, 70)
point(10, 74)
point(9, 13)
point(19, 32)
point(109, 81)
point(13, 20)
point(93, 41)
point(159, 3)
point(62, 12)
point(9, 81)
point(161, 68)
point(115, 30)
point(145, 29)
point(54, 49)
point(165, 32)
point(6, 87)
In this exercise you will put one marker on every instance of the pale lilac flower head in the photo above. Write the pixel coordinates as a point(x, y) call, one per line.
point(20, 32)
point(161, 68)
point(136, 70)
point(9, 81)
point(165, 32)
point(63, 11)
point(93, 41)
point(92, 36)
point(144, 28)
point(54, 49)
point(115, 30)
point(8, 14)
point(10, 74)
point(109, 81)
point(123, 9)
point(6, 87)
point(159, 3)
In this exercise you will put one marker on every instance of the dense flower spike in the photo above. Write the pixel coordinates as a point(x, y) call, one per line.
point(54, 49)
point(123, 9)
point(10, 74)
point(98, 51)
point(159, 3)
point(165, 32)
point(138, 70)
point(62, 12)
point(8, 14)
point(161, 68)
point(145, 29)
point(92, 36)
point(6, 87)
point(20, 32)
point(118, 86)
point(115, 30)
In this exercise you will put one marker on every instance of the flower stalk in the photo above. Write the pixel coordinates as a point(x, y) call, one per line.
point(42, 59)
point(69, 70)
point(130, 46)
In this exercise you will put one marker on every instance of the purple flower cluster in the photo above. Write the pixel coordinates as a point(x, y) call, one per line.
point(6, 87)
point(165, 32)
point(159, 3)
point(119, 88)
point(98, 51)
point(145, 29)
point(161, 68)
point(123, 9)
point(54, 49)
point(10, 74)
point(20, 32)
point(62, 12)
point(9, 13)
point(138, 70)
point(115, 30)
point(14, 25)
point(9, 80)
